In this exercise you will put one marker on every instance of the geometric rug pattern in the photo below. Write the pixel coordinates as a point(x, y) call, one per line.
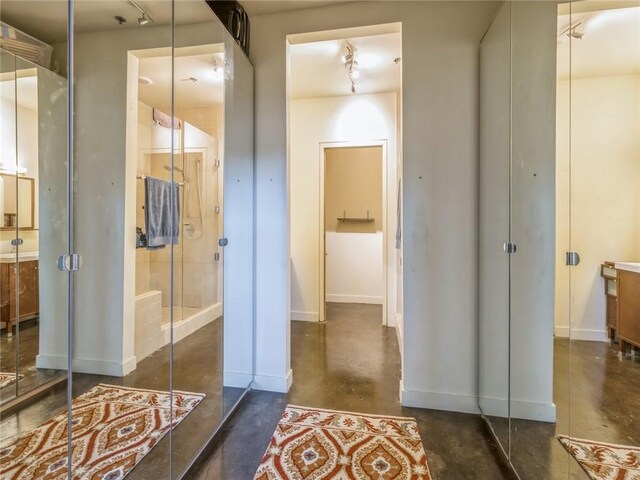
point(7, 379)
point(314, 444)
point(113, 428)
point(604, 461)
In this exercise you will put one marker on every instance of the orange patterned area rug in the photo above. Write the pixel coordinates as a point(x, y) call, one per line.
point(604, 461)
point(7, 379)
point(315, 444)
point(113, 429)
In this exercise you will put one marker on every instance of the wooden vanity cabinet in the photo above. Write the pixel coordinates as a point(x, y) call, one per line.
point(628, 308)
point(609, 273)
point(27, 285)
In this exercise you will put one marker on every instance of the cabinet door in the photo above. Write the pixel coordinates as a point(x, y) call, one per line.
point(4, 292)
point(28, 294)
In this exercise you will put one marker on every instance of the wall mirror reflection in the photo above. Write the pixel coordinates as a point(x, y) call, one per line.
point(162, 118)
point(24, 199)
point(559, 341)
point(33, 106)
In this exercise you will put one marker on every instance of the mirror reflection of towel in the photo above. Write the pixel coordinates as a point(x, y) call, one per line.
point(162, 212)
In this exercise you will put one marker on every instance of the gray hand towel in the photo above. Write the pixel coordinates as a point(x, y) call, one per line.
point(162, 212)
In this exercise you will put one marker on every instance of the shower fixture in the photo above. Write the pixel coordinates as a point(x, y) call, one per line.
point(168, 168)
point(351, 64)
point(145, 18)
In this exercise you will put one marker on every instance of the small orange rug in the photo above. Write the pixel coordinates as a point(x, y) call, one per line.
point(113, 429)
point(310, 443)
point(604, 461)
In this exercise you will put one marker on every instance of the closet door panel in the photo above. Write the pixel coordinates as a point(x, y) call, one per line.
point(534, 364)
point(494, 225)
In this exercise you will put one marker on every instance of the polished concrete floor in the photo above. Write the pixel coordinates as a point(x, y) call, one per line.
point(352, 363)
point(197, 367)
point(26, 337)
point(597, 396)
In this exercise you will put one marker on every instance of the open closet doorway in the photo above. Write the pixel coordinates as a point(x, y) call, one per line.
point(344, 170)
point(353, 253)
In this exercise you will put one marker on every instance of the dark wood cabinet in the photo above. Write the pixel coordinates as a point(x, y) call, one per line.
point(19, 295)
point(610, 275)
point(629, 308)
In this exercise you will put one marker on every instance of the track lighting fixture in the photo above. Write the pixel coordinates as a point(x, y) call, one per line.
point(351, 64)
point(145, 18)
point(572, 31)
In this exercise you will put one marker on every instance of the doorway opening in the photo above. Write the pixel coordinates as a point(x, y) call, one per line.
point(344, 168)
point(352, 234)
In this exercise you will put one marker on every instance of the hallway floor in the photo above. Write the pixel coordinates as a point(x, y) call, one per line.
point(351, 363)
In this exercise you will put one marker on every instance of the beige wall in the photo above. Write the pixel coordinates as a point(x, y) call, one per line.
point(353, 183)
point(604, 170)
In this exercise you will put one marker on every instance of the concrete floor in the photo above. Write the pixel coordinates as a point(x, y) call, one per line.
point(350, 363)
point(27, 336)
point(605, 406)
point(197, 367)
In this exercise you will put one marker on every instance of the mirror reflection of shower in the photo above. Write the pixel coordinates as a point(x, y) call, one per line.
point(192, 193)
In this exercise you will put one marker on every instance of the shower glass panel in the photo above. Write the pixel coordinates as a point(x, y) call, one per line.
point(9, 345)
point(602, 196)
point(199, 84)
point(495, 130)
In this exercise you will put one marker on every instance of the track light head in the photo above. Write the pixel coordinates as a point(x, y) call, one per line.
point(143, 20)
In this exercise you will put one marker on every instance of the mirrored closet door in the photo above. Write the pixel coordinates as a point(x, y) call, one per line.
point(599, 97)
point(137, 201)
point(560, 153)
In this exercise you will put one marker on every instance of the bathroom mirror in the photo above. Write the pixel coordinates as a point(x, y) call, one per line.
point(18, 210)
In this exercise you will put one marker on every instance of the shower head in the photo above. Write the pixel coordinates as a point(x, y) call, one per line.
point(177, 169)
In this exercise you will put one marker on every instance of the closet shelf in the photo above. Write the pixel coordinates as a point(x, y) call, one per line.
point(344, 218)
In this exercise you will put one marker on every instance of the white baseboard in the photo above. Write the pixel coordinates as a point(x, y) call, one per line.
point(523, 410)
point(587, 334)
point(87, 365)
point(368, 299)
point(270, 383)
point(237, 379)
point(450, 402)
point(305, 316)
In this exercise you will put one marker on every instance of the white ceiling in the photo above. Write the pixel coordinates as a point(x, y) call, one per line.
point(317, 69)
point(610, 46)
point(208, 90)
point(265, 7)
point(47, 19)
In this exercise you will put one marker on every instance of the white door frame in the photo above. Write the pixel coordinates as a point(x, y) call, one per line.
point(328, 145)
